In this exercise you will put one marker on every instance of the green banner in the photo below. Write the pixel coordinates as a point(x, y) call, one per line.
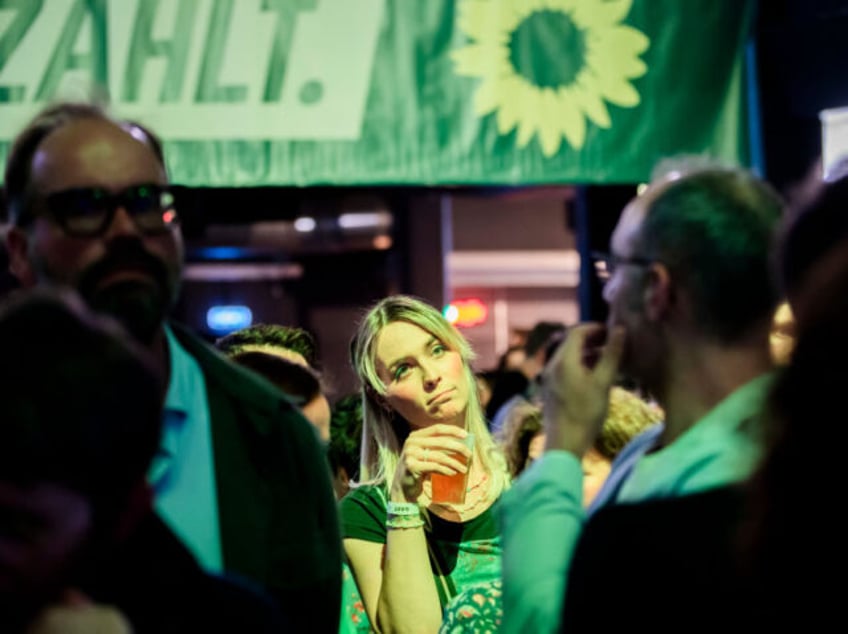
point(301, 92)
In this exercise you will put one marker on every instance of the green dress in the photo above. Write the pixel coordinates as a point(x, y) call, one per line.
point(462, 554)
point(354, 619)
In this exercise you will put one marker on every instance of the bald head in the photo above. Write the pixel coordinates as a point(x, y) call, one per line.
point(93, 153)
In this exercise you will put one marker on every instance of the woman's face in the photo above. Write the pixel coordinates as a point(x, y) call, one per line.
point(425, 381)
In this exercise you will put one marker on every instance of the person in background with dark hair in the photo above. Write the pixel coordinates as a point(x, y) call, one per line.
point(239, 475)
point(279, 353)
point(345, 442)
point(8, 282)
point(514, 387)
point(295, 344)
point(792, 555)
point(691, 297)
point(817, 221)
point(296, 381)
point(80, 546)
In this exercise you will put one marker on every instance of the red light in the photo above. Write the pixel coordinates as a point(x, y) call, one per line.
point(464, 313)
point(169, 216)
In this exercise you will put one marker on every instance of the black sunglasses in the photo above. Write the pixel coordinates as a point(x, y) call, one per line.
point(87, 212)
point(607, 263)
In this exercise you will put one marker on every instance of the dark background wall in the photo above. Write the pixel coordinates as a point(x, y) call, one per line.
point(802, 55)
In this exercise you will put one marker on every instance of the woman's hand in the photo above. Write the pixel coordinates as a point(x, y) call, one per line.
point(429, 450)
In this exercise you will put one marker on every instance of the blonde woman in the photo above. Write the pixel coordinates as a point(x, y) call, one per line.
point(409, 554)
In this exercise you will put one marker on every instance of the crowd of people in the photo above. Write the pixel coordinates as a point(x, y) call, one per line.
point(649, 469)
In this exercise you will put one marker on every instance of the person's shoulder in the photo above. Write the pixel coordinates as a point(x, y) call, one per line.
point(684, 549)
point(629, 524)
point(365, 495)
point(363, 514)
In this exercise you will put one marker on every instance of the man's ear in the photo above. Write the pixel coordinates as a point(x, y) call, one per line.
point(17, 247)
point(659, 296)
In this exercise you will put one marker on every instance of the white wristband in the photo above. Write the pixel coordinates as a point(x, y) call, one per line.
point(404, 509)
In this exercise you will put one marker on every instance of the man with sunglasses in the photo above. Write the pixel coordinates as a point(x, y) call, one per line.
point(240, 475)
point(690, 299)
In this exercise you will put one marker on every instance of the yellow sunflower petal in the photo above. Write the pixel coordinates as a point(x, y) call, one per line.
point(487, 97)
point(561, 5)
point(590, 103)
point(618, 41)
point(571, 120)
point(591, 14)
point(550, 137)
point(520, 9)
point(617, 90)
point(525, 132)
point(604, 60)
point(531, 108)
point(509, 112)
point(479, 60)
point(483, 21)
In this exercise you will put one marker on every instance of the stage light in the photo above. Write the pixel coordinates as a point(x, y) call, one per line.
point(464, 313)
point(224, 319)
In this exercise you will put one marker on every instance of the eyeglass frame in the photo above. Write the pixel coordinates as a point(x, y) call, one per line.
point(111, 201)
point(612, 261)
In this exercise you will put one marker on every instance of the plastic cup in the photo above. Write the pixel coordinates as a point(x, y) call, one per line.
point(451, 489)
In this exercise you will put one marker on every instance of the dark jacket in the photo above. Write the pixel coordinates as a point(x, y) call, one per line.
point(277, 511)
point(158, 586)
point(686, 564)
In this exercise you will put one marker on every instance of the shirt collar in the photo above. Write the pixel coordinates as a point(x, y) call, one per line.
point(178, 397)
point(175, 411)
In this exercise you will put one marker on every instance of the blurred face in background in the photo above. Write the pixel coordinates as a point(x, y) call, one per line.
point(514, 358)
point(782, 336)
point(484, 390)
point(317, 412)
point(596, 467)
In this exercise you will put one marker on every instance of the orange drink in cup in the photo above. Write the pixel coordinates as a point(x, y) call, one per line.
point(451, 489)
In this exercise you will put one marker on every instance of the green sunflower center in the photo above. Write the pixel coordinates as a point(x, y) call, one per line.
point(547, 49)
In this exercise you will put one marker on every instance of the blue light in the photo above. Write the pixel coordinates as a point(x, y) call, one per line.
point(222, 253)
point(224, 319)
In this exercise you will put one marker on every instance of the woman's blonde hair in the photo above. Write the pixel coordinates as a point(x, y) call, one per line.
point(627, 417)
point(384, 431)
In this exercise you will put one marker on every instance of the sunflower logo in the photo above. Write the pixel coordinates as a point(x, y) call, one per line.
point(549, 65)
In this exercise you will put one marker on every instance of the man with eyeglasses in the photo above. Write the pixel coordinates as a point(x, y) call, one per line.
point(690, 299)
point(240, 476)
